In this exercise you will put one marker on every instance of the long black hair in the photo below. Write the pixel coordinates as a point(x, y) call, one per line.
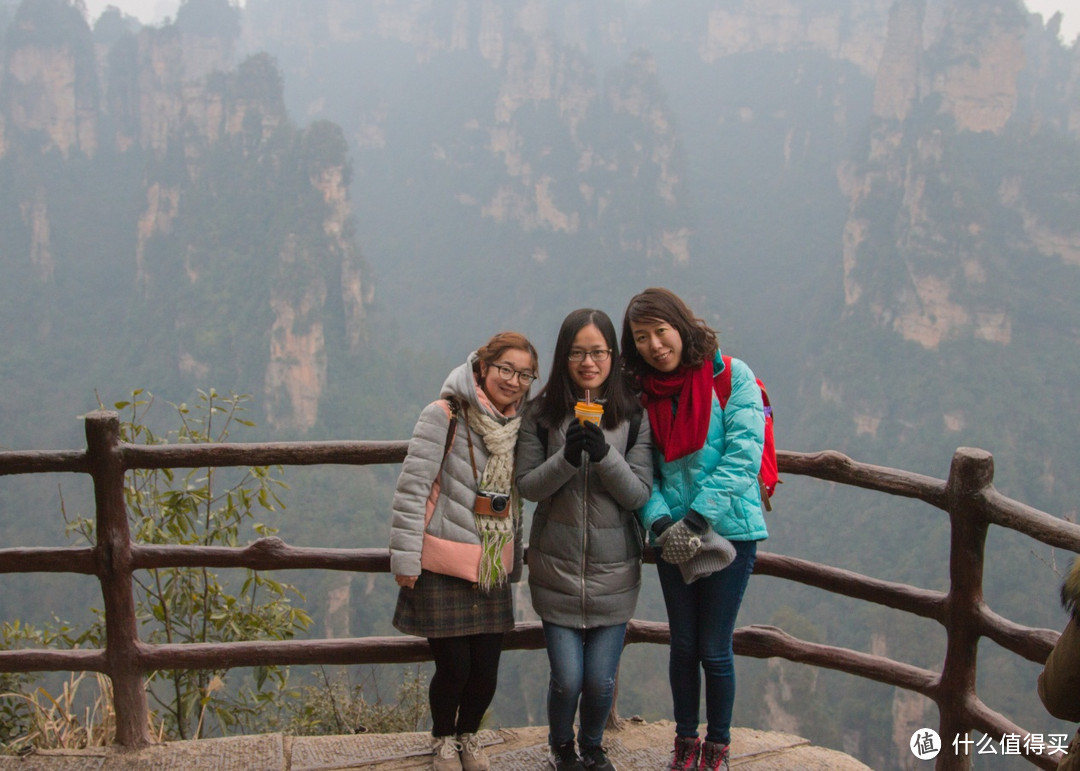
point(556, 401)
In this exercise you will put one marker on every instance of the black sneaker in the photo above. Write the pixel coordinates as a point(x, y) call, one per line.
point(563, 757)
point(595, 759)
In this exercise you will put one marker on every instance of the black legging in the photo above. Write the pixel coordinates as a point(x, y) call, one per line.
point(466, 671)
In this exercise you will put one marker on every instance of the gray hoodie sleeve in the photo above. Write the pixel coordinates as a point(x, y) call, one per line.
point(418, 473)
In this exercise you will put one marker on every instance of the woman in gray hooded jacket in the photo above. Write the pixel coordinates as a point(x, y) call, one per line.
point(455, 540)
point(585, 543)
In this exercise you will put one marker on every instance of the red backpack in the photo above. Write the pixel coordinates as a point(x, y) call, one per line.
point(769, 476)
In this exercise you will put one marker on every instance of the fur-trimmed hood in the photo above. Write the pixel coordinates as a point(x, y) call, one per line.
point(1070, 589)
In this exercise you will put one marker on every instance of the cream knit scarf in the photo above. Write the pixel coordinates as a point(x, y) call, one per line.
point(498, 477)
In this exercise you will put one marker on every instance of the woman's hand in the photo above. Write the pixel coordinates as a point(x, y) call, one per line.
point(595, 444)
point(575, 443)
point(660, 524)
point(406, 582)
point(679, 543)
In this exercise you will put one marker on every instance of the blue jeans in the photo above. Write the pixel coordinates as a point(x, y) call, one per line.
point(701, 616)
point(583, 665)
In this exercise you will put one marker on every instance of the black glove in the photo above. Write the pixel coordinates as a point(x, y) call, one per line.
point(595, 443)
point(696, 522)
point(660, 525)
point(575, 443)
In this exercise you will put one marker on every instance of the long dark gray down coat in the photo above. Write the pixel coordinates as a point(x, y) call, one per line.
point(585, 543)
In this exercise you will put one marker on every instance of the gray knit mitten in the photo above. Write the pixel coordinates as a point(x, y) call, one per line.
point(716, 554)
point(679, 543)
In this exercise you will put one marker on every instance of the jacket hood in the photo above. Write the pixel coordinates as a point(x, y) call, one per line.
point(461, 384)
point(1070, 589)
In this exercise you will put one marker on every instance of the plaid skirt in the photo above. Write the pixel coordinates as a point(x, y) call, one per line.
point(445, 606)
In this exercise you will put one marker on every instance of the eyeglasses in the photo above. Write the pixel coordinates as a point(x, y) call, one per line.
point(506, 372)
point(600, 354)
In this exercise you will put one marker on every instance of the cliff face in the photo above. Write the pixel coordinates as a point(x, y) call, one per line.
point(851, 32)
point(965, 65)
point(953, 66)
point(498, 115)
point(876, 200)
point(44, 95)
point(980, 47)
point(296, 377)
point(174, 99)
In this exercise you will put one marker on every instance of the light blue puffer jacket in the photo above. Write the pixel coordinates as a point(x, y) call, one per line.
point(719, 481)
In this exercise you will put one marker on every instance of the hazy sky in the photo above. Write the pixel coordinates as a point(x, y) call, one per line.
point(149, 11)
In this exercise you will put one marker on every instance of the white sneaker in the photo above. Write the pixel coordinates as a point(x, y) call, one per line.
point(473, 757)
point(445, 750)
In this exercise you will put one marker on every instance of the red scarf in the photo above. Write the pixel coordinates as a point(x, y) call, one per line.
point(682, 431)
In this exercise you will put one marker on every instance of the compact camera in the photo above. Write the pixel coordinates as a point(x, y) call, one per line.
point(491, 504)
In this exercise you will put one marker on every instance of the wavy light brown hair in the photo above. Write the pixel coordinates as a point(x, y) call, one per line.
point(659, 304)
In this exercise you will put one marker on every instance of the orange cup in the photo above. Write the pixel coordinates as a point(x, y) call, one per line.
point(590, 413)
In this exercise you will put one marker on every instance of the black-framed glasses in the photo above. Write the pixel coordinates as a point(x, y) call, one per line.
point(599, 354)
point(506, 372)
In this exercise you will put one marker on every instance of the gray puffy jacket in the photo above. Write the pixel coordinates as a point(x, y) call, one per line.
point(585, 543)
point(433, 524)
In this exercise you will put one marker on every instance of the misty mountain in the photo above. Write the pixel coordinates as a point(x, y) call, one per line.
point(328, 204)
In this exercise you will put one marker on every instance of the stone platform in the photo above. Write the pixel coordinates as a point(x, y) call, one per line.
point(635, 746)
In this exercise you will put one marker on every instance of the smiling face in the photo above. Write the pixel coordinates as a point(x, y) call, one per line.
point(589, 374)
point(504, 393)
point(658, 343)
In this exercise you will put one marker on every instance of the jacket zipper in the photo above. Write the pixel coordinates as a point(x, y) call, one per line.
point(584, 539)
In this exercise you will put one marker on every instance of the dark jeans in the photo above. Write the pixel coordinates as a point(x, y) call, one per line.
point(466, 672)
point(583, 666)
point(702, 620)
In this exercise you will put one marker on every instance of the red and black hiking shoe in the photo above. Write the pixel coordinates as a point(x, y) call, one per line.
point(685, 755)
point(714, 757)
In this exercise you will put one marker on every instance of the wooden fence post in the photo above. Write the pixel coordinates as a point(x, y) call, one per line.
point(113, 557)
point(972, 471)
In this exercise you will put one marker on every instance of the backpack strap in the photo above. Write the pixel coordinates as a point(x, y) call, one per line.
point(632, 431)
point(722, 383)
point(767, 476)
point(765, 399)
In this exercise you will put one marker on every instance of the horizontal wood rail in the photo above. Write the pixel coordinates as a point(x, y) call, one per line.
point(967, 496)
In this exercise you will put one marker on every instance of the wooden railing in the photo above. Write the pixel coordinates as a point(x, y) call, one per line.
point(967, 496)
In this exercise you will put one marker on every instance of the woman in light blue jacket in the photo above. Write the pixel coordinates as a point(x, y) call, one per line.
point(706, 461)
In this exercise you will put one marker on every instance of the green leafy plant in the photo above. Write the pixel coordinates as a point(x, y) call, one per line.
point(14, 711)
point(204, 507)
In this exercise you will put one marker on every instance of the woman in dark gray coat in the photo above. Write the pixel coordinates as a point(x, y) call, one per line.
point(585, 544)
